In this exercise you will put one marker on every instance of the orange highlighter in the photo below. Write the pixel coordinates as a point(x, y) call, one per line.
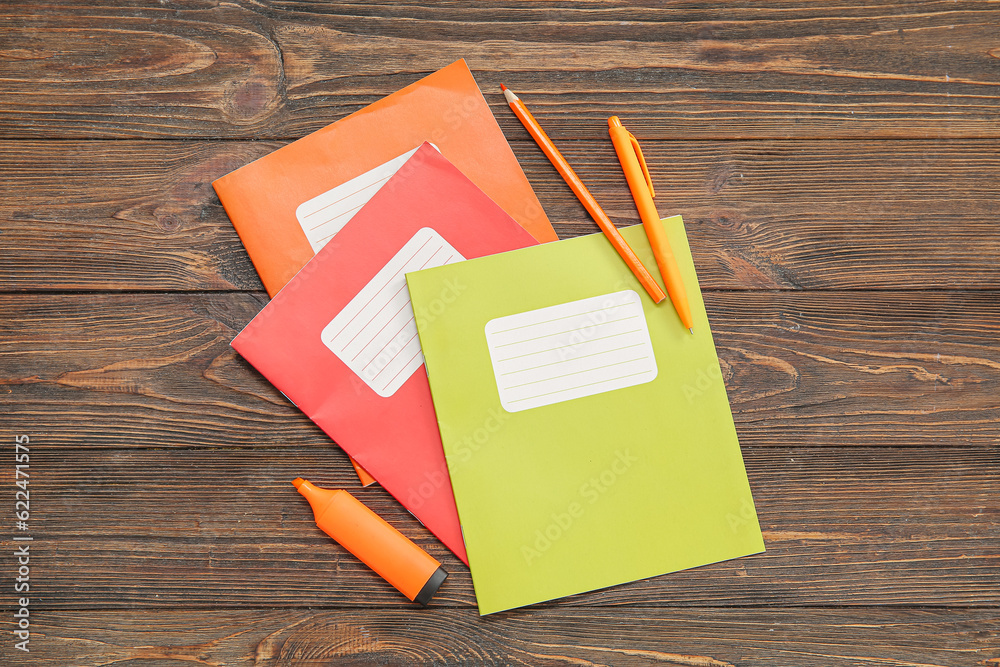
point(641, 185)
point(414, 572)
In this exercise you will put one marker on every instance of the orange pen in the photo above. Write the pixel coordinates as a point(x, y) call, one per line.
point(581, 192)
point(641, 185)
point(414, 572)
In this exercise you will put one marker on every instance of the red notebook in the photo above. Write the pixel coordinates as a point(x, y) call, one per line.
point(340, 339)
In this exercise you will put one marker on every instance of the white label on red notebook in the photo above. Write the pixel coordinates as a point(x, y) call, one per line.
point(375, 335)
point(571, 350)
point(324, 215)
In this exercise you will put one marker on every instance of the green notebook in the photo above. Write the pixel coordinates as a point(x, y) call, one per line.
point(588, 434)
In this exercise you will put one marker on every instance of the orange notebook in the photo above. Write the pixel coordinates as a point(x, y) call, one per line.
point(287, 205)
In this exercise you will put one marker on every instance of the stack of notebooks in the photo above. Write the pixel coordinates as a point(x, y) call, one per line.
point(520, 395)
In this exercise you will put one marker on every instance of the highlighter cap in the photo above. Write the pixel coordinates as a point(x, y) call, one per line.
point(431, 587)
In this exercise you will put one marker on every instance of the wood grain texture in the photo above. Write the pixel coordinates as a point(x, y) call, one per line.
point(837, 168)
point(770, 215)
point(281, 69)
point(707, 637)
point(802, 369)
point(207, 527)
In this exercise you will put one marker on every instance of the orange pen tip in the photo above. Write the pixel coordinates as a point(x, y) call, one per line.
point(614, 122)
point(503, 87)
point(297, 482)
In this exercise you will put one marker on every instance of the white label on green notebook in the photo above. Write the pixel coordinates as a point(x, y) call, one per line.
point(571, 350)
point(324, 215)
point(375, 335)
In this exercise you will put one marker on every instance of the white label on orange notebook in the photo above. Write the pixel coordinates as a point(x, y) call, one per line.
point(324, 215)
point(571, 350)
point(375, 335)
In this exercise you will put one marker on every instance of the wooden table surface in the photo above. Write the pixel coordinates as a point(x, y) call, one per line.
point(836, 164)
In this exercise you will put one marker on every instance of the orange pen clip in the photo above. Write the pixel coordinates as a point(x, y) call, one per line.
point(642, 162)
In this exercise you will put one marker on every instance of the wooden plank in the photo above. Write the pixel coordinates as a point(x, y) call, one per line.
point(836, 165)
point(760, 215)
point(802, 369)
point(120, 215)
point(805, 215)
point(115, 528)
point(703, 637)
point(279, 70)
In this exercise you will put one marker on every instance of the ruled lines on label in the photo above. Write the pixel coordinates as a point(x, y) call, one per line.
point(375, 335)
point(571, 350)
point(324, 215)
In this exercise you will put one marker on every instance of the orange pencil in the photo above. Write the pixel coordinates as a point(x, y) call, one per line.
point(581, 192)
